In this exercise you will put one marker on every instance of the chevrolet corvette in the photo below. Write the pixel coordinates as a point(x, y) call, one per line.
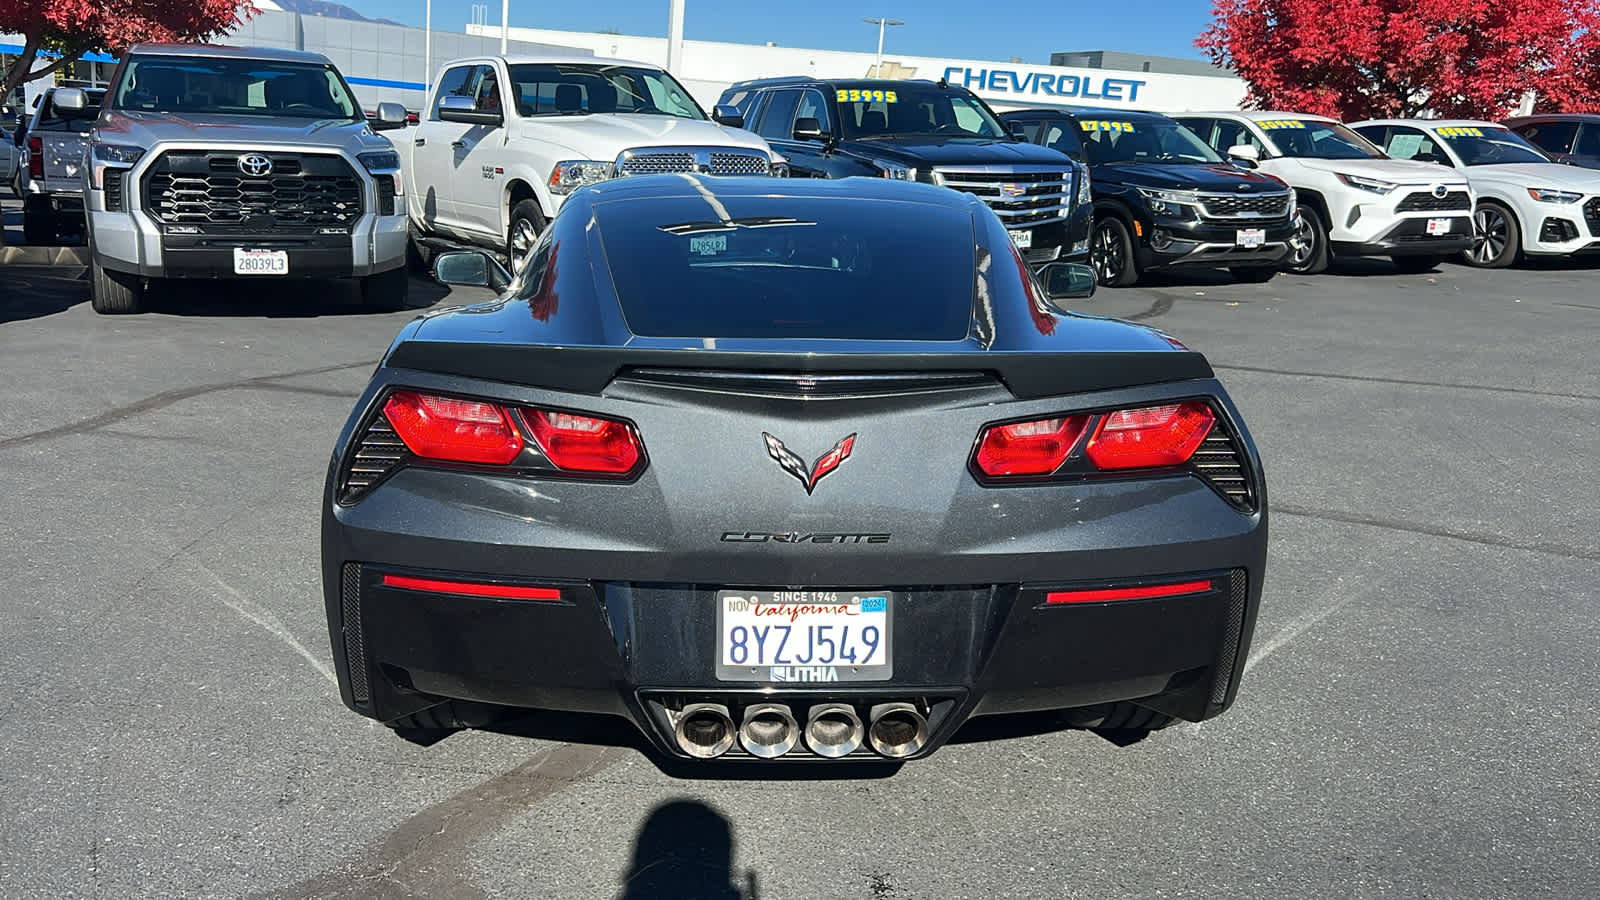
point(796, 470)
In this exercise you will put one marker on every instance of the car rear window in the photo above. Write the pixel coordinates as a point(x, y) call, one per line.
point(765, 267)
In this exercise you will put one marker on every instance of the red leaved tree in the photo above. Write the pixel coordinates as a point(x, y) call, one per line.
point(1360, 59)
point(71, 28)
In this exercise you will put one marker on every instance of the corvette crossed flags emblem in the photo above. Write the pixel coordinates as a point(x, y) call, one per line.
point(791, 462)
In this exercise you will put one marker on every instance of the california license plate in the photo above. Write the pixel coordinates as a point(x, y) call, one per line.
point(1438, 226)
point(1250, 238)
point(803, 636)
point(1023, 239)
point(260, 262)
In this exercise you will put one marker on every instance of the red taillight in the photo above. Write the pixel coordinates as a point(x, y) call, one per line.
point(1144, 592)
point(584, 444)
point(1150, 436)
point(471, 588)
point(35, 157)
point(468, 431)
point(1028, 448)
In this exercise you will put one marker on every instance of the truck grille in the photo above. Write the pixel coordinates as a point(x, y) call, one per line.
point(1591, 215)
point(207, 188)
point(1018, 197)
point(689, 159)
point(1244, 206)
point(1423, 201)
point(113, 179)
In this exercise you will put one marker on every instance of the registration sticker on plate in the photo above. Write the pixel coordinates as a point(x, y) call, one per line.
point(1250, 238)
point(1023, 239)
point(803, 636)
point(1438, 226)
point(260, 262)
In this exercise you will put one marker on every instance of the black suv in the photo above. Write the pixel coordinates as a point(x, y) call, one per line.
point(1568, 137)
point(1163, 197)
point(924, 131)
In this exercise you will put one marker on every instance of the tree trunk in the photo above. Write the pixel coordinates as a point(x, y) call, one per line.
point(22, 72)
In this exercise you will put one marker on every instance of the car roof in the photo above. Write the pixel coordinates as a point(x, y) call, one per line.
point(1256, 115)
point(712, 188)
point(270, 54)
point(549, 59)
point(784, 80)
point(1074, 111)
point(1538, 118)
point(1433, 123)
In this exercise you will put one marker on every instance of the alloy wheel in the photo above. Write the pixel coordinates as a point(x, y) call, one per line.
point(1107, 254)
point(1303, 243)
point(523, 237)
point(1494, 233)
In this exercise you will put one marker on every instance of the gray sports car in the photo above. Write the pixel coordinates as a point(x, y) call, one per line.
point(801, 470)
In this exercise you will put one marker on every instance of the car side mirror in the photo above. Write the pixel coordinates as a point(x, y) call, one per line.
point(809, 130)
point(389, 116)
point(470, 268)
point(1067, 281)
point(464, 111)
point(727, 115)
point(71, 103)
point(1244, 155)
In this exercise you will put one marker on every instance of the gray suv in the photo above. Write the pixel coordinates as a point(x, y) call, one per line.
point(229, 163)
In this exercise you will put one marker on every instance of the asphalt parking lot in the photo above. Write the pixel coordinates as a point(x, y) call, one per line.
point(1418, 718)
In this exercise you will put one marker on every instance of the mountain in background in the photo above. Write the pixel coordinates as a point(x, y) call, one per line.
point(324, 8)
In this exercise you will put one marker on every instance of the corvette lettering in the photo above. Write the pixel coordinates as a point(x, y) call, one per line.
point(798, 537)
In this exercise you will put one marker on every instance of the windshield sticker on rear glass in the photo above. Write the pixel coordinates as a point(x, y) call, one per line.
point(859, 96)
point(1459, 131)
point(1102, 125)
point(708, 245)
point(1277, 124)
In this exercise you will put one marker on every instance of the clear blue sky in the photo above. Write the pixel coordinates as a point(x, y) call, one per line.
point(975, 29)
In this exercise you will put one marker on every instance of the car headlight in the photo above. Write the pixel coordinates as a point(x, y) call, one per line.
point(1549, 195)
point(780, 167)
point(1172, 204)
point(1085, 194)
point(569, 175)
point(111, 155)
point(1371, 185)
point(895, 170)
point(384, 164)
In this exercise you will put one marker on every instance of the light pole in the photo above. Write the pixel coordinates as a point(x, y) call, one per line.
point(882, 23)
point(505, 26)
point(427, 51)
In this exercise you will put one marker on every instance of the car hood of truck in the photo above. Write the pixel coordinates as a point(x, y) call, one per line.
point(604, 135)
point(923, 150)
point(149, 129)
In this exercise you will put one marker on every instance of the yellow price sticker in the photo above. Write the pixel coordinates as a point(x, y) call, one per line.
point(843, 95)
point(1460, 131)
point(1103, 125)
point(1279, 124)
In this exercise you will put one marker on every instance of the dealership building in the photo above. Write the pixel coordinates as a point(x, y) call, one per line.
point(385, 61)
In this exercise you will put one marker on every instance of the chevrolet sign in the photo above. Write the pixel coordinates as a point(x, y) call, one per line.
point(1037, 83)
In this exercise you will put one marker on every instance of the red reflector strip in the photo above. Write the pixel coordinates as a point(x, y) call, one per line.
point(1101, 595)
point(472, 589)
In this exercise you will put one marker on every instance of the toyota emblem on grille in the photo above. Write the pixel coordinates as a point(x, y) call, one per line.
point(791, 462)
point(1011, 191)
point(255, 165)
point(1440, 190)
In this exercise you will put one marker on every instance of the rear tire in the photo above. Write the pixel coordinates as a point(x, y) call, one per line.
point(1416, 265)
point(527, 223)
point(1253, 274)
point(386, 291)
point(1499, 237)
point(38, 224)
point(1308, 246)
point(1111, 253)
point(114, 293)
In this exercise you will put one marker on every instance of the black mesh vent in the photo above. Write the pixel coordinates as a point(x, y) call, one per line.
point(210, 190)
point(386, 195)
point(1423, 201)
point(379, 452)
point(1591, 215)
point(113, 184)
point(355, 646)
point(1237, 582)
point(1218, 461)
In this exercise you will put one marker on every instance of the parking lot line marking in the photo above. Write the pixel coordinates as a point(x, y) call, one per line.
point(244, 606)
point(1439, 531)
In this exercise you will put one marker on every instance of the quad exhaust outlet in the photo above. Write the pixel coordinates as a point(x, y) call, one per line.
point(769, 730)
point(704, 730)
point(833, 730)
point(898, 730)
point(772, 730)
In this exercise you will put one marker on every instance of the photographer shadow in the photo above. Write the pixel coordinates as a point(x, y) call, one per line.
point(684, 849)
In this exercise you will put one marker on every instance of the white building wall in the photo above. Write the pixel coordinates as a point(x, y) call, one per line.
point(709, 67)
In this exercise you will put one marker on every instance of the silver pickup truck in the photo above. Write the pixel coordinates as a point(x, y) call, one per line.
point(241, 164)
point(49, 173)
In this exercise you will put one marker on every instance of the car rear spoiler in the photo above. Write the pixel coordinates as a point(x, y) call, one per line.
point(587, 370)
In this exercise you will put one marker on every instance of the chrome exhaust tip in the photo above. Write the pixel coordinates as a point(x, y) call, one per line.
point(704, 730)
point(833, 730)
point(769, 730)
point(898, 730)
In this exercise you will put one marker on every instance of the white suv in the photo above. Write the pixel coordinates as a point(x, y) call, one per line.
point(1527, 203)
point(1354, 200)
point(505, 140)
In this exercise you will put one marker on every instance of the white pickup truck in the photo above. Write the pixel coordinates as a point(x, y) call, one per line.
point(49, 161)
point(504, 140)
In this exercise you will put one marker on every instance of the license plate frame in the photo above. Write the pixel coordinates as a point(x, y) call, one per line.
point(252, 262)
point(789, 611)
point(1250, 238)
point(1022, 238)
point(1439, 226)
